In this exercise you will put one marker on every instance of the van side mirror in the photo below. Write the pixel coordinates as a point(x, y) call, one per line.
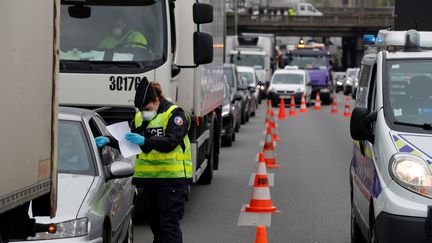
point(360, 122)
point(203, 48)
point(202, 13)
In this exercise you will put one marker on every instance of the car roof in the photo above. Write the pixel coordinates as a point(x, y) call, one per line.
point(245, 69)
point(73, 114)
point(294, 71)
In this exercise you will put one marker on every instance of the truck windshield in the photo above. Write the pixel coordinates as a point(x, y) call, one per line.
point(410, 91)
point(309, 62)
point(248, 60)
point(287, 78)
point(73, 149)
point(131, 34)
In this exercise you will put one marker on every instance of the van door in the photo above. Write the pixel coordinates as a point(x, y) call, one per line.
point(363, 155)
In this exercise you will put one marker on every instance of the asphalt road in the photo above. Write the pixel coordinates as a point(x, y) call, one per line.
point(311, 189)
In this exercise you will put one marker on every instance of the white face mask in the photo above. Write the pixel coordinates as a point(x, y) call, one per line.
point(117, 31)
point(149, 115)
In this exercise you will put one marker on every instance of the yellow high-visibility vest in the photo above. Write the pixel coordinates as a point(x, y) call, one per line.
point(175, 164)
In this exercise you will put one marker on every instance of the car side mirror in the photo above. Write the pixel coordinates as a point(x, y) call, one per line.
point(120, 169)
point(236, 97)
point(360, 124)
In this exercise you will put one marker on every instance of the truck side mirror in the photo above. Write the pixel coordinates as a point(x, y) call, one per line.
point(203, 48)
point(79, 12)
point(360, 123)
point(202, 13)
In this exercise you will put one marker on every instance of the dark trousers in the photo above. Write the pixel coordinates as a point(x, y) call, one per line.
point(166, 206)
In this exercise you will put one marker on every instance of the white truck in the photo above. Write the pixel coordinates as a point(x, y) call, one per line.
point(253, 50)
point(178, 52)
point(28, 126)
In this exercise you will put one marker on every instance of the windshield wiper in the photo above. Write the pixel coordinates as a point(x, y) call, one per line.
point(97, 65)
point(425, 126)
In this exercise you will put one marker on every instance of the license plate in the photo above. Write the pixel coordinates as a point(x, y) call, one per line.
point(285, 96)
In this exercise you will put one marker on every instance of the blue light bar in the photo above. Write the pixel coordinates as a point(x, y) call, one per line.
point(369, 39)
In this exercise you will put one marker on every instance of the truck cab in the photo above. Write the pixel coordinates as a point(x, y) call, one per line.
point(108, 47)
point(390, 175)
point(316, 60)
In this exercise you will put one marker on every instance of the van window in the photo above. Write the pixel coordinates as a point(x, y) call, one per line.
point(363, 86)
point(302, 8)
point(409, 89)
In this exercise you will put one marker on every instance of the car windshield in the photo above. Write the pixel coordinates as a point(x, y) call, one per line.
point(249, 77)
point(410, 90)
point(339, 76)
point(288, 78)
point(112, 35)
point(256, 61)
point(73, 149)
point(309, 62)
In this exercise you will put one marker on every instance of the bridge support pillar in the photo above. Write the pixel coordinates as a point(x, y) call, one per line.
point(352, 51)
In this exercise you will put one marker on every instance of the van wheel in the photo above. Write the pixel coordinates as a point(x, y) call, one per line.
point(356, 234)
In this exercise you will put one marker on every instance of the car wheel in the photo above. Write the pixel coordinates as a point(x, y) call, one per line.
point(233, 137)
point(345, 92)
point(237, 127)
point(130, 232)
point(227, 141)
point(106, 236)
point(247, 117)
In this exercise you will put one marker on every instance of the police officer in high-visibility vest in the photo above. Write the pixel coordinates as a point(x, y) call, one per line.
point(123, 36)
point(164, 168)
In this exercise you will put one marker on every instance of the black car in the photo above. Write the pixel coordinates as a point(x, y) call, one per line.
point(229, 115)
point(238, 87)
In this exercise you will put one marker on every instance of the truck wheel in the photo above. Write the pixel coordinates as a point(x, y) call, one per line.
point(207, 175)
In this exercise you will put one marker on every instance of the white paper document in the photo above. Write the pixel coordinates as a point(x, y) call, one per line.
point(118, 131)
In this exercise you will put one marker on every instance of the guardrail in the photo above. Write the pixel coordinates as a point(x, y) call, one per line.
point(317, 21)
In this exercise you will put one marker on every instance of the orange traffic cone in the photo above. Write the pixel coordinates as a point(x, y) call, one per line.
point(292, 111)
point(261, 235)
point(282, 114)
point(347, 111)
point(334, 109)
point(269, 138)
point(317, 102)
point(261, 201)
point(270, 120)
point(269, 156)
point(303, 108)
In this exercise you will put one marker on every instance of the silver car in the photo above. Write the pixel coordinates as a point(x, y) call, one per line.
point(95, 192)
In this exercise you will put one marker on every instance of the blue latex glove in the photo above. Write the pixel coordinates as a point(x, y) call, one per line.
point(101, 141)
point(134, 138)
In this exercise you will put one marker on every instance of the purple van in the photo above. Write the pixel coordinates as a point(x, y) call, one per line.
point(317, 63)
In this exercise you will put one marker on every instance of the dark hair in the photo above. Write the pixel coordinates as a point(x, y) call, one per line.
point(157, 88)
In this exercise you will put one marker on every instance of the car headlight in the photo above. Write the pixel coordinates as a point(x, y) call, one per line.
point(412, 173)
point(262, 87)
point(348, 81)
point(300, 90)
point(226, 110)
point(67, 229)
point(339, 83)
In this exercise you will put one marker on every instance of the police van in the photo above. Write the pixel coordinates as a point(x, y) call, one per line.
point(391, 168)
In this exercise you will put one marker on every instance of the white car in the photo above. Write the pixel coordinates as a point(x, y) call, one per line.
point(290, 84)
point(391, 167)
point(249, 74)
point(96, 198)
